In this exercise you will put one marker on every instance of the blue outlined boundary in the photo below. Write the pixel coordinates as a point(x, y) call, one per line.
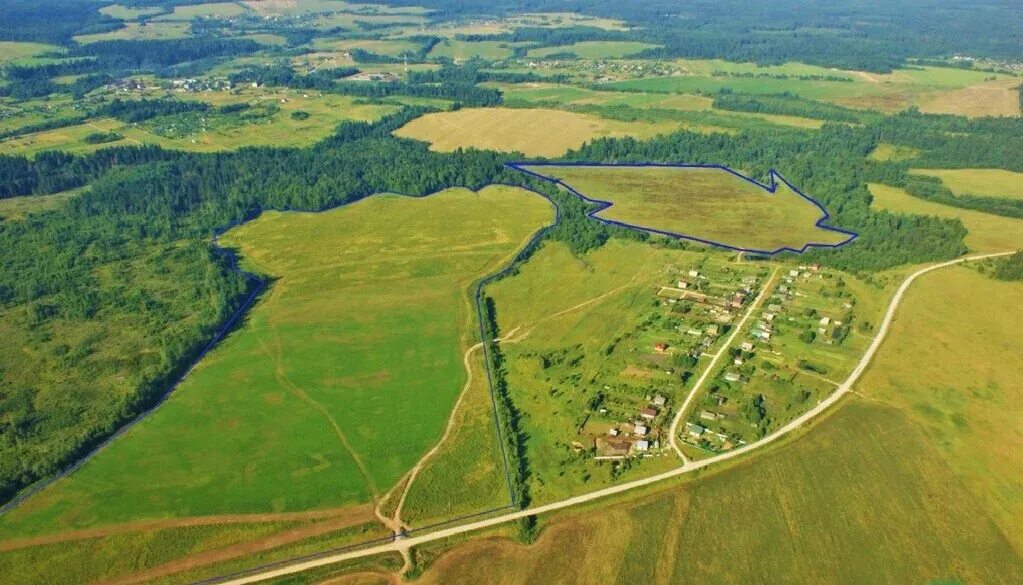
point(770, 188)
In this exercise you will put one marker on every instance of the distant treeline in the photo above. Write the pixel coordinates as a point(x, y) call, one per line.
point(788, 104)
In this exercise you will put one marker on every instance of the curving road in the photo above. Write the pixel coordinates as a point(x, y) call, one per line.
point(403, 544)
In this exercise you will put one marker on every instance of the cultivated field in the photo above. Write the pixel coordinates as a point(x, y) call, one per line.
point(987, 232)
point(464, 50)
point(847, 507)
point(593, 50)
point(339, 380)
point(706, 203)
point(528, 131)
point(993, 98)
point(965, 395)
point(987, 182)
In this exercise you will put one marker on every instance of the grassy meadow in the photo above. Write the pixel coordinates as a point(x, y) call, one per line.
point(340, 378)
point(15, 208)
point(987, 232)
point(20, 52)
point(706, 203)
point(527, 131)
point(986, 182)
point(268, 121)
point(593, 50)
point(839, 505)
point(465, 50)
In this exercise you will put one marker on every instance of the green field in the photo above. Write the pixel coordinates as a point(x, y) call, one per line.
point(465, 50)
point(267, 122)
point(11, 51)
point(987, 232)
point(339, 380)
point(209, 10)
point(706, 203)
point(521, 130)
point(981, 182)
point(148, 31)
point(837, 506)
point(593, 50)
point(128, 13)
point(14, 208)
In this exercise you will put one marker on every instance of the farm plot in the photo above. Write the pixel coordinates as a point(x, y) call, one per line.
point(981, 182)
point(593, 50)
point(339, 380)
point(987, 232)
point(528, 131)
point(709, 204)
point(602, 348)
point(795, 350)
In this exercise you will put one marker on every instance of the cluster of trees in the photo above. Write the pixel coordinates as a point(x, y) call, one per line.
point(955, 141)
point(132, 111)
point(1010, 268)
point(152, 54)
point(453, 88)
point(787, 104)
point(932, 189)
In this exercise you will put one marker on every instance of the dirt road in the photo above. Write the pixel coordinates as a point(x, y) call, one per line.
point(403, 544)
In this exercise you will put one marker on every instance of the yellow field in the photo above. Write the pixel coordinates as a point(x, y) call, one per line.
point(988, 233)
point(966, 393)
point(990, 182)
point(886, 152)
point(528, 131)
point(705, 203)
point(994, 98)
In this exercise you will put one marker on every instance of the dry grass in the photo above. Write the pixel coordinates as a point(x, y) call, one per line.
point(990, 182)
point(988, 233)
point(706, 203)
point(993, 98)
point(532, 132)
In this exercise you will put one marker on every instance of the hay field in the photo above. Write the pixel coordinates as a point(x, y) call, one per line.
point(988, 182)
point(12, 51)
point(966, 394)
point(993, 98)
point(987, 232)
point(707, 203)
point(593, 49)
point(465, 50)
point(528, 131)
point(839, 505)
point(337, 382)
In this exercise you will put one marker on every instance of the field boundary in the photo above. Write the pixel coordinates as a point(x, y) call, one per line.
point(770, 188)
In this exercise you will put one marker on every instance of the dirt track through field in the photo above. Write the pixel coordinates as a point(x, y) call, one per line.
point(404, 544)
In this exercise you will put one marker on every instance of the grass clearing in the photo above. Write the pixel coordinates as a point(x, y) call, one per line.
point(527, 131)
point(966, 406)
point(465, 50)
point(893, 152)
point(339, 380)
point(706, 203)
point(145, 31)
point(993, 98)
point(593, 50)
point(121, 12)
point(209, 10)
point(16, 208)
point(986, 182)
point(839, 505)
point(987, 232)
point(12, 51)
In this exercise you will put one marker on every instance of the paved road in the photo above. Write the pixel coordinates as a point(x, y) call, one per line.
point(405, 543)
point(673, 430)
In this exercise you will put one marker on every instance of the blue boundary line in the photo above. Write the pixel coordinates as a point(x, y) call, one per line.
point(770, 188)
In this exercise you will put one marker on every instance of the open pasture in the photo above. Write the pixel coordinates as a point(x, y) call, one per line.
point(709, 204)
point(209, 10)
point(838, 505)
point(267, 122)
point(465, 50)
point(987, 232)
point(593, 50)
point(341, 377)
point(146, 31)
point(527, 131)
point(991, 98)
point(984, 182)
point(16, 52)
point(122, 12)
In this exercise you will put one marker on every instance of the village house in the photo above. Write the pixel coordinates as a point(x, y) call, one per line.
point(648, 413)
point(732, 376)
point(746, 346)
point(640, 430)
point(642, 445)
point(661, 347)
point(695, 430)
point(659, 400)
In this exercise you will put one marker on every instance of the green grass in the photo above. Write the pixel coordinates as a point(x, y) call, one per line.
point(893, 152)
point(522, 130)
point(209, 10)
point(984, 182)
point(98, 558)
point(593, 49)
point(267, 122)
point(127, 13)
point(710, 204)
point(389, 47)
point(987, 232)
point(133, 31)
point(11, 51)
point(355, 352)
point(15, 208)
point(864, 498)
point(464, 50)
point(965, 394)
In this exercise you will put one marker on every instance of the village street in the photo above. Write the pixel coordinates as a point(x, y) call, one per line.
point(403, 544)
